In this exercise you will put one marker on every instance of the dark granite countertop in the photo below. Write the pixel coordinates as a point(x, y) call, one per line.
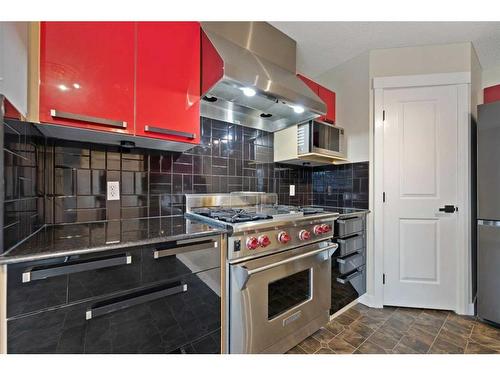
point(72, 239)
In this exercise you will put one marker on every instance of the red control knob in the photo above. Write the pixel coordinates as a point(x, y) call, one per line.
point(252, 243)
point(318, 229)
point(283, 237)
point(264, 240)
point(304, 235)
point(326, 228)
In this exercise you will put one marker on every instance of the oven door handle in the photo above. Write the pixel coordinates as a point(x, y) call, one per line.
point(243, 274)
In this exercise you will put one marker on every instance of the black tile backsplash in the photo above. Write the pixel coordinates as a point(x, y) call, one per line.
point(54, 181)
point(24, 182)
point(343, 185)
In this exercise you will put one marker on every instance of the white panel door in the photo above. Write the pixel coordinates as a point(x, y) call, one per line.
point(420, 176)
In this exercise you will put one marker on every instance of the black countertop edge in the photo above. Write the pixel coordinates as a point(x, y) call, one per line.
point(11, 259)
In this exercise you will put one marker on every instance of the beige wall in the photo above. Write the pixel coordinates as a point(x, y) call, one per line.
point(431, 59)
point(350, 81)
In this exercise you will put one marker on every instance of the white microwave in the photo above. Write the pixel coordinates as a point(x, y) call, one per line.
point(316, 137)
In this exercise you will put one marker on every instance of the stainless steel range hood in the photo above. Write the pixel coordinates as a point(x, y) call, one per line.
point(241, 58)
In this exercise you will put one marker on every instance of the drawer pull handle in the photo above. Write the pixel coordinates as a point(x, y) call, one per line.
point(154, 129)
point(349, 258)
point(92, 119)
point(133, 299)
point(346, 220)
point(207, 245)
point(348, 239)
point(36, 273)
point(345, 279)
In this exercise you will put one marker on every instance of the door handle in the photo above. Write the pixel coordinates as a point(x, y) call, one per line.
point(92, 119)
point(449, 209)
point(242, 273)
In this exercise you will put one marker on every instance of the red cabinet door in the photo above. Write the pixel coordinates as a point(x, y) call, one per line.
point(87, 75)
point(328, 97)
point(168, 81)
point(491, 94)
point(312, 85)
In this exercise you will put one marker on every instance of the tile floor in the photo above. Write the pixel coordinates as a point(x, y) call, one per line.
point(363, 330)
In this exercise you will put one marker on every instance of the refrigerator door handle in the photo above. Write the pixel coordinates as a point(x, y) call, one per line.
point(489, 223)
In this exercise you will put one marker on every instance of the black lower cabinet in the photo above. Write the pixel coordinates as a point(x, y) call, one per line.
point(179, 316)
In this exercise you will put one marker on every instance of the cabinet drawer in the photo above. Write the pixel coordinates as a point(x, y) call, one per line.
point(180, 258)
point(99, 278)
point(350, 244)
point(155, 319)
point(25, 297)
point(356, 278)
point(351, 262)
point(348, 226)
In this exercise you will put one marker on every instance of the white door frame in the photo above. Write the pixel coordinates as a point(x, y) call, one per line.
point(463, 80)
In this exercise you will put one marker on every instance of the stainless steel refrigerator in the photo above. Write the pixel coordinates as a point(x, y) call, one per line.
point(488, 215)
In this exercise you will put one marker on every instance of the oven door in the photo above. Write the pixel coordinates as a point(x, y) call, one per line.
point(277, 301)
point(326, 139)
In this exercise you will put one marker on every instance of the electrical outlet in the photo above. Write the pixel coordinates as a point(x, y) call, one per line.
point(113, 193)
point(292, 190)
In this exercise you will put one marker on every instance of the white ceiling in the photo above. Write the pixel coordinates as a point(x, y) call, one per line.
point(324, 45)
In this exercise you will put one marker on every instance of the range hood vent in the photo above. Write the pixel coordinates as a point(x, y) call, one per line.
point(249, 77)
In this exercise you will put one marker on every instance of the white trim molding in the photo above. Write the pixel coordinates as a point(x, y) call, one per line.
point(375, 235)
point(422, 80)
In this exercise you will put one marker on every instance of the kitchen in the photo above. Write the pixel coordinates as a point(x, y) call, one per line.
point(210, 197)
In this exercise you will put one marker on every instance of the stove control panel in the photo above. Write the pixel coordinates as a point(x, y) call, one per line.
point(278, 239)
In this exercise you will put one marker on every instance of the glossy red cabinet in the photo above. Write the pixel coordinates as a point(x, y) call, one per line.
point(491, 94)
point(87, 75)
point(326, 95)
point(168, 81)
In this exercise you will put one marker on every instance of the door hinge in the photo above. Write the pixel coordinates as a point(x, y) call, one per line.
point(383, 115)
point(383, 278)
point(383, 197)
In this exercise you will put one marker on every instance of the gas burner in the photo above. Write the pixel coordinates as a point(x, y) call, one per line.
point(231, 215)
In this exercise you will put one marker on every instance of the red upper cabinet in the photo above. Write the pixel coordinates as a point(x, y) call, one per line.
point(491, 94)
point(168, 80)
point(87, 75)
point(312, 85)
point(326, 95)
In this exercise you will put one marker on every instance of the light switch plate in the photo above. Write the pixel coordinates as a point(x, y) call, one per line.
point(292, 190)
point(113, 191)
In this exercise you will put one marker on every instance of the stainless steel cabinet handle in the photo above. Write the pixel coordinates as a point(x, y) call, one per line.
point(94, 120)
point(154, 129)
point(32, 274)
point(243, 273)
point(489, 223)
point(133, 299)
point(343, 221)
point(344, 280)
point(185, 249)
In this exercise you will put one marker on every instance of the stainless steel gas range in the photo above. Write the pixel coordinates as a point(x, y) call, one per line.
point(278, 268)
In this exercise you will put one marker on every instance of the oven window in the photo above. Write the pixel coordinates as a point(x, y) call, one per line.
point(326, 137)
point(285, 293)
